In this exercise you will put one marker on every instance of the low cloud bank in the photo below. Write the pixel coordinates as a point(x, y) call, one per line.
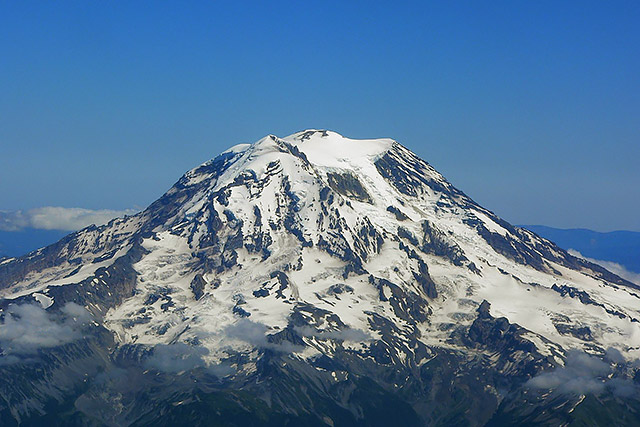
point(585, 374)
point(181, 357)
point(27, 328)
point(57, 218)
point(613, 267)
point(255, 334)
point(176, 357)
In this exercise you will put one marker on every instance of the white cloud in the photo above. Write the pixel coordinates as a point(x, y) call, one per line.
point(613, 267)
point(57, 218)
point(28, 328)
point(255, 334)
point(176, 357)
point(585, 374)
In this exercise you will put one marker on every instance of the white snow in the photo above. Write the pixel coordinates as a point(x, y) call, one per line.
point(490, 224)
point(336, 151)
point(44, 300)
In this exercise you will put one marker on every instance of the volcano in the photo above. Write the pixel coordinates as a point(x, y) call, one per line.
point(314, 280)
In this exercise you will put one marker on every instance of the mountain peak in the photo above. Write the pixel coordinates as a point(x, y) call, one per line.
point(309, 134)
point(330, 149)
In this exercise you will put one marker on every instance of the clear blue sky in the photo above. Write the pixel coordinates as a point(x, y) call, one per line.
point(530, 107)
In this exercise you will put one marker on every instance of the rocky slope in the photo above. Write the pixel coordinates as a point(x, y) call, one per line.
point(314, 280)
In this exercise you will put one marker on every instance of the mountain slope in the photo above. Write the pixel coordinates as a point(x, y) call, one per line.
point(311, 279)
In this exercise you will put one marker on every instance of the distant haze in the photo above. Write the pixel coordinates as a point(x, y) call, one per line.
point(617, 251)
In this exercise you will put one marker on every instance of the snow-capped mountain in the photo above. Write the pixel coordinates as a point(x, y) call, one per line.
point(313, 279)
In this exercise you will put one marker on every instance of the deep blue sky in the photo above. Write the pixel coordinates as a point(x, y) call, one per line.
point(531, 108)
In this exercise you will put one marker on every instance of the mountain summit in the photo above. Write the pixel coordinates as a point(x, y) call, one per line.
point(314, 280)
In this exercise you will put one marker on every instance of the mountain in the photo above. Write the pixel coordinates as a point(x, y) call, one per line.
point(622, 247)
point(315, 280)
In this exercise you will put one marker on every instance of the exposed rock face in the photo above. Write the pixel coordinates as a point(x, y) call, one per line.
point(312, 280)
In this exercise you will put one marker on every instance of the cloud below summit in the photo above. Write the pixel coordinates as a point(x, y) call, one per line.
point(586, 374)
point(27, 328)
point(57, 218)
point(613, 267)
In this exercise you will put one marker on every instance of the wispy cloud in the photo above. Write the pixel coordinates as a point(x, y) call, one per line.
point(180, 357)
point(176, 357)
point(585, 374)
point(27, 328)
point(613, 267)
point(57, 218)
